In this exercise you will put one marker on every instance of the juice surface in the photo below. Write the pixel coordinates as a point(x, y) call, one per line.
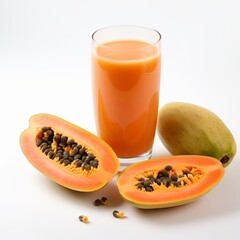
point(126, 95)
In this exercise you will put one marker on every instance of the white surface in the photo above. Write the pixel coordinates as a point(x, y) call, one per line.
point(45, 67)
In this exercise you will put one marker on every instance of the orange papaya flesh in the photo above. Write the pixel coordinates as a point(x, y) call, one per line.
point(68, 154)
point(169, 181)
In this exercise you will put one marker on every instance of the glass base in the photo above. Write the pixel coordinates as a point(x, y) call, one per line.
point(125, 162)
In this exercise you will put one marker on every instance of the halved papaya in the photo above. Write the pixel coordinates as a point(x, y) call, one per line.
point(169, 181)
point(68, 154)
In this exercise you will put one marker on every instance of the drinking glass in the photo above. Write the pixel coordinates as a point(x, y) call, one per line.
point(126, 66)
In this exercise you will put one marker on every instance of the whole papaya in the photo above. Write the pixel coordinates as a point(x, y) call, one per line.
point(188, 129)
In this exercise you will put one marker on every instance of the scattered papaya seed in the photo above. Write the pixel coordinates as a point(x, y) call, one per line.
point(99, 202)
point(118, 214)
point(104, 201)
point(83, 218)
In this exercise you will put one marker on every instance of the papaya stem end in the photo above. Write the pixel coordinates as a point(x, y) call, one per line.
point(225, 159)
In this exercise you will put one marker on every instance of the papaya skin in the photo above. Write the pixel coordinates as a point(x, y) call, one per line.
point(188, 129)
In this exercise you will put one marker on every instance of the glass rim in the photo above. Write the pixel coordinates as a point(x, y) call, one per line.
point(127, 26)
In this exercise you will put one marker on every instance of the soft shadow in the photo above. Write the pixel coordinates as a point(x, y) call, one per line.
point(109, 191)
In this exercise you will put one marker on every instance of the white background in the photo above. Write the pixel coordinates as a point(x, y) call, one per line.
point(45, 67)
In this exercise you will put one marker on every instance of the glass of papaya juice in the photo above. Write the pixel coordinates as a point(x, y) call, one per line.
point(126, 69)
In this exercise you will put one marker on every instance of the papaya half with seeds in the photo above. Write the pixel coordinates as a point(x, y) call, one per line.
point(188, 129)
point(169, 181)
point(68, 154)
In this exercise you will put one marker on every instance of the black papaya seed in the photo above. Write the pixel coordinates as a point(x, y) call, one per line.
point(97, 202)
point(174, 177)
point(168, 168)
point(149, 189)
point(118, 214)
point(83, 218)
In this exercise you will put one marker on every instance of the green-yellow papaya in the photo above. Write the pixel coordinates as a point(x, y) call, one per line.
point(188, 129)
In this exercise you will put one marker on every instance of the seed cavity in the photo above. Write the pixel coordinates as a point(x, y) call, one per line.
point(167, 177)
point(65, 151)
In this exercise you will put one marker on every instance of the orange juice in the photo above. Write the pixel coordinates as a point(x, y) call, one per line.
point(126, 77)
